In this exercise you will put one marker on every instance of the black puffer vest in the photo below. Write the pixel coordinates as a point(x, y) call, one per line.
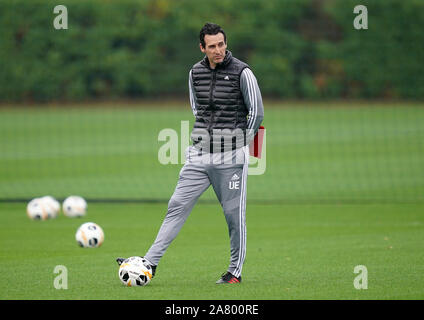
point(220, 108)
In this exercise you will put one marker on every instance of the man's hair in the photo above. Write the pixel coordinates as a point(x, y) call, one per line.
point(211, 29)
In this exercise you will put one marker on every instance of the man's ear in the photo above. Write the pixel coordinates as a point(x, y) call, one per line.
point(201, 48)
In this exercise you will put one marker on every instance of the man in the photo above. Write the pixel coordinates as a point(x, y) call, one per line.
point(227, 103)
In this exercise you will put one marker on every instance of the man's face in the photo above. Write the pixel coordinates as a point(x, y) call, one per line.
point(214, 49)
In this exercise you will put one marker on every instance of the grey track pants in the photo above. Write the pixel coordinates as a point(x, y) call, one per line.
point(227, 172)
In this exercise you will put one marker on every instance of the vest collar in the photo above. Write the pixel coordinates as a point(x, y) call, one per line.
point(227, 59)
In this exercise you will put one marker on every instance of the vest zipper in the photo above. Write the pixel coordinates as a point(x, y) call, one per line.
point(211, 94)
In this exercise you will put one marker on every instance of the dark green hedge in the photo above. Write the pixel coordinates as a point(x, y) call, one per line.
point(135, 49)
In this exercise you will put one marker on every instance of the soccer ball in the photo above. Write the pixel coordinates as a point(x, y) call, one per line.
point(90, 235)
point(135, 272)
point(51, 206)
point(35, 210)
point(74, 206)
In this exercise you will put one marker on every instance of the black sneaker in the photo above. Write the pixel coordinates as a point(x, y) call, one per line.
point(121, 260)
point(228, 278)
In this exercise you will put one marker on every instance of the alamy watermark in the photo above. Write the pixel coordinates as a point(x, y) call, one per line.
point(61, 20)
point(361, 20)
point(361, 280)
point(61, 280)
point(218, 146)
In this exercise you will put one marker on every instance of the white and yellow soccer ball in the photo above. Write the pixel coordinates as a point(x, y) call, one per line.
point(90, 235)
point(51, 206)
point(35, 210)
point(74, 206)
point(135, 272)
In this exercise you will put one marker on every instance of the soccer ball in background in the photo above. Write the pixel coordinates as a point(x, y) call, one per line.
point(135, 272)
point(74, 206)
point(90, 235)
point(35, 210)
point(51, 206)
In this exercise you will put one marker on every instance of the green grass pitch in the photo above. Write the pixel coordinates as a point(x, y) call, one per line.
point(344, 186)
point(314, 152)
point(293, 252)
